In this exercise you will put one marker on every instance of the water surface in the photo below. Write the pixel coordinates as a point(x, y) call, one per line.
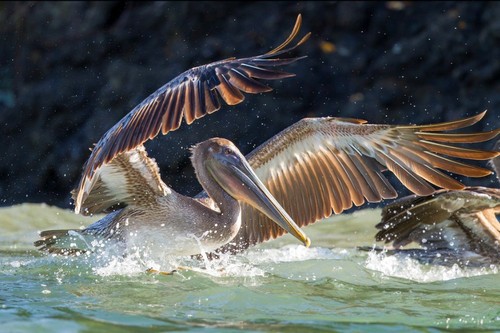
point(279, 286)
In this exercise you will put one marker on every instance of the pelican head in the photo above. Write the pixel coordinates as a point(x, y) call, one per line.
point(226, 165)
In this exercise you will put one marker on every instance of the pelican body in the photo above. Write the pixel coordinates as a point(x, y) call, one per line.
point(158, 219)
point(447, 228)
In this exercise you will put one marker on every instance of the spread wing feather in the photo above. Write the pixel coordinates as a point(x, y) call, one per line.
point(191, 95)
point(321, 166)
point(131, 178)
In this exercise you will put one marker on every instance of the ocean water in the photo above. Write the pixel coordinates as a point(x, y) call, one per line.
point(279, 286)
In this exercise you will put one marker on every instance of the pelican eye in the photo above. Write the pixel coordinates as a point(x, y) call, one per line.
point(228, 151)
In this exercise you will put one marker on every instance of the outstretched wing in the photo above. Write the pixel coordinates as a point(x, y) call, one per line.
point(131, 178)
point(191, 95)
point(323, 165)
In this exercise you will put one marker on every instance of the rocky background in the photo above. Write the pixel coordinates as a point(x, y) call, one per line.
point(70, 70)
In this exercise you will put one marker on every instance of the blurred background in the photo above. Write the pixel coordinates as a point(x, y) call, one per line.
point(71, 70)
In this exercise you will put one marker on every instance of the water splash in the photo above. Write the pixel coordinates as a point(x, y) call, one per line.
point(253, 263)
point(410, 269)
point(292, 253)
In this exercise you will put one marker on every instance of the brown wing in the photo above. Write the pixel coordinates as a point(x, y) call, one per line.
point(131, 178)
point(459, 220)
point(191, 95)
point(324, 165)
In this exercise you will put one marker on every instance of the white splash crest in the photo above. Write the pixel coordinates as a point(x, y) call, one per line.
point(411, 269)
point(294, 252)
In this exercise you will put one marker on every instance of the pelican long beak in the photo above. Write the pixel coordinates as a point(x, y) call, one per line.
point(237, 178)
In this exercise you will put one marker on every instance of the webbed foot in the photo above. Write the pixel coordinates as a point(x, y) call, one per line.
point(155, 271)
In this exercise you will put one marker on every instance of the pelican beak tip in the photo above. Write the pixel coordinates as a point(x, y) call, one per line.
point(307, 242)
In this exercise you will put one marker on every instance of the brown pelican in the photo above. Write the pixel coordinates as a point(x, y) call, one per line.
point(313, 168)
point(451, 226)
point(119, 155)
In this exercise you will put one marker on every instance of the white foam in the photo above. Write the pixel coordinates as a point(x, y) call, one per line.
point(247, 264)
point(260, 262)
point(291, 253)
point(411, 269)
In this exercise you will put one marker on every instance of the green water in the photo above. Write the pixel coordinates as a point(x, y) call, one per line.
point(278, 287)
